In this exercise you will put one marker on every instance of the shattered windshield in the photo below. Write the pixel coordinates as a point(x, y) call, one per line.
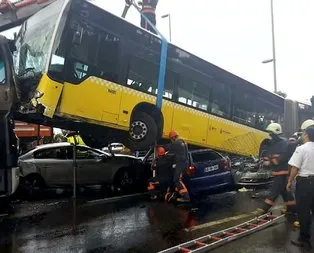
point(34, 40)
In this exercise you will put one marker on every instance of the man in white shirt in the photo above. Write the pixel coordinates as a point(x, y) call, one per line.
point(302, 163)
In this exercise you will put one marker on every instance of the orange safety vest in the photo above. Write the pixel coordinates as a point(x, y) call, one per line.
point(149, 6)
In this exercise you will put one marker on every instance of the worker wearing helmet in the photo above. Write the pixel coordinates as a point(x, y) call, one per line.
point(302, 169)
point(295, 141)
point(298, 135)
point(276, 158)
point(179, 149)
point(164, 171)
point(149, 10)
point(306, 124)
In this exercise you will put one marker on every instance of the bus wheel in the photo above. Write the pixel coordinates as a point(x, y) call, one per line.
point(143, 132)
point(92, 141)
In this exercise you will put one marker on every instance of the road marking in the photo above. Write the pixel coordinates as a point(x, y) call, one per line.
point(114, 199)
point(226, 220)
point(218, 222)
point(4, 215)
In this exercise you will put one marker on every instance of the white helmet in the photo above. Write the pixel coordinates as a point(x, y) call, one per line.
point(307, 124)
point(274, 128)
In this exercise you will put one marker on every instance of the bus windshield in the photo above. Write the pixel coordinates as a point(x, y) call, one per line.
point(34, 40)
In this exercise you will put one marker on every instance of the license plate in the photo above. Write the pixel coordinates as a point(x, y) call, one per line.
point(211, 168)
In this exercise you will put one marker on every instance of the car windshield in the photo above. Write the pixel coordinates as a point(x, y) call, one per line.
point(35, 38)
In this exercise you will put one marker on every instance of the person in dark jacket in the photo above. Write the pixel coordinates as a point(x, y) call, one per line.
point(277, 157)
point(149, 10)
point(179, 149)
point(164, 174)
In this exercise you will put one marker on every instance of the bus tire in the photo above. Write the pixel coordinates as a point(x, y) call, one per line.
point(142, 132)
point(92, 140)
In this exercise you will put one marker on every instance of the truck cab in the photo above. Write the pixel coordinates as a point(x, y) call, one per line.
point(9, 172)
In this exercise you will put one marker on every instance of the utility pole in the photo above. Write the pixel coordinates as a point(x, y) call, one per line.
point(273, 42)
point(169, 22)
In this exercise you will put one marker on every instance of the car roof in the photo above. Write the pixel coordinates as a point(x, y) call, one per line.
point(62, 144)
point(202, 150)
point(67, 144)
point(53, 145)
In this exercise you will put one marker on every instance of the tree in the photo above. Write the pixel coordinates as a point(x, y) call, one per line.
point(281, 93)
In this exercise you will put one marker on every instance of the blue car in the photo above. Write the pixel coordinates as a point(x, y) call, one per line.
point(208, 172)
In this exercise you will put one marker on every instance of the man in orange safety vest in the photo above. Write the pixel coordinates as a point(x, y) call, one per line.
point(149, 10)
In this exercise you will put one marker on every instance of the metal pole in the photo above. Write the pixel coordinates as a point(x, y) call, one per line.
point(163, 58)
point(38, 135)
point(273, 41)
point(74, 183)
point(170, 27)
point(74, 167)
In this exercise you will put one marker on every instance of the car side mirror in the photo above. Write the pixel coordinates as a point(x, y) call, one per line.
point(110, 149)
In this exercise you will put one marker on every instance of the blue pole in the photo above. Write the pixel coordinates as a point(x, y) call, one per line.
point(162, 63)
point(162, 73)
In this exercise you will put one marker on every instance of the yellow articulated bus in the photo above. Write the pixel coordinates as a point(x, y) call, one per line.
point(80, 67)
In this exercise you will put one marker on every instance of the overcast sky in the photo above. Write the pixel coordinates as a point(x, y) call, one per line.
point(236, 35)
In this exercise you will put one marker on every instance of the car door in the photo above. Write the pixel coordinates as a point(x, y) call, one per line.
point(89, 166)
point(53, 165)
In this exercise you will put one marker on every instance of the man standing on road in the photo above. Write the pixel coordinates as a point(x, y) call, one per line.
point(163, 164)
point(277, 157)
point(179, 149)
point(302, 163)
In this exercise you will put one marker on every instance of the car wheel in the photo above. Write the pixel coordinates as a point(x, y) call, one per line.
point(124, 181)
point(34, 185)
point(142, 132)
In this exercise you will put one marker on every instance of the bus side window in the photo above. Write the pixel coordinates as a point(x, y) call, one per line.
point(220, 100)
point(244, 108)
point(82, 56)
point(86, 51)
point(108, 56)
point(194, 94)
point(170, 83)
point(267, 113)
point(143, 75)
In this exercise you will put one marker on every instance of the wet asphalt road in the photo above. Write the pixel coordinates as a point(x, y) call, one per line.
point(133, 225)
